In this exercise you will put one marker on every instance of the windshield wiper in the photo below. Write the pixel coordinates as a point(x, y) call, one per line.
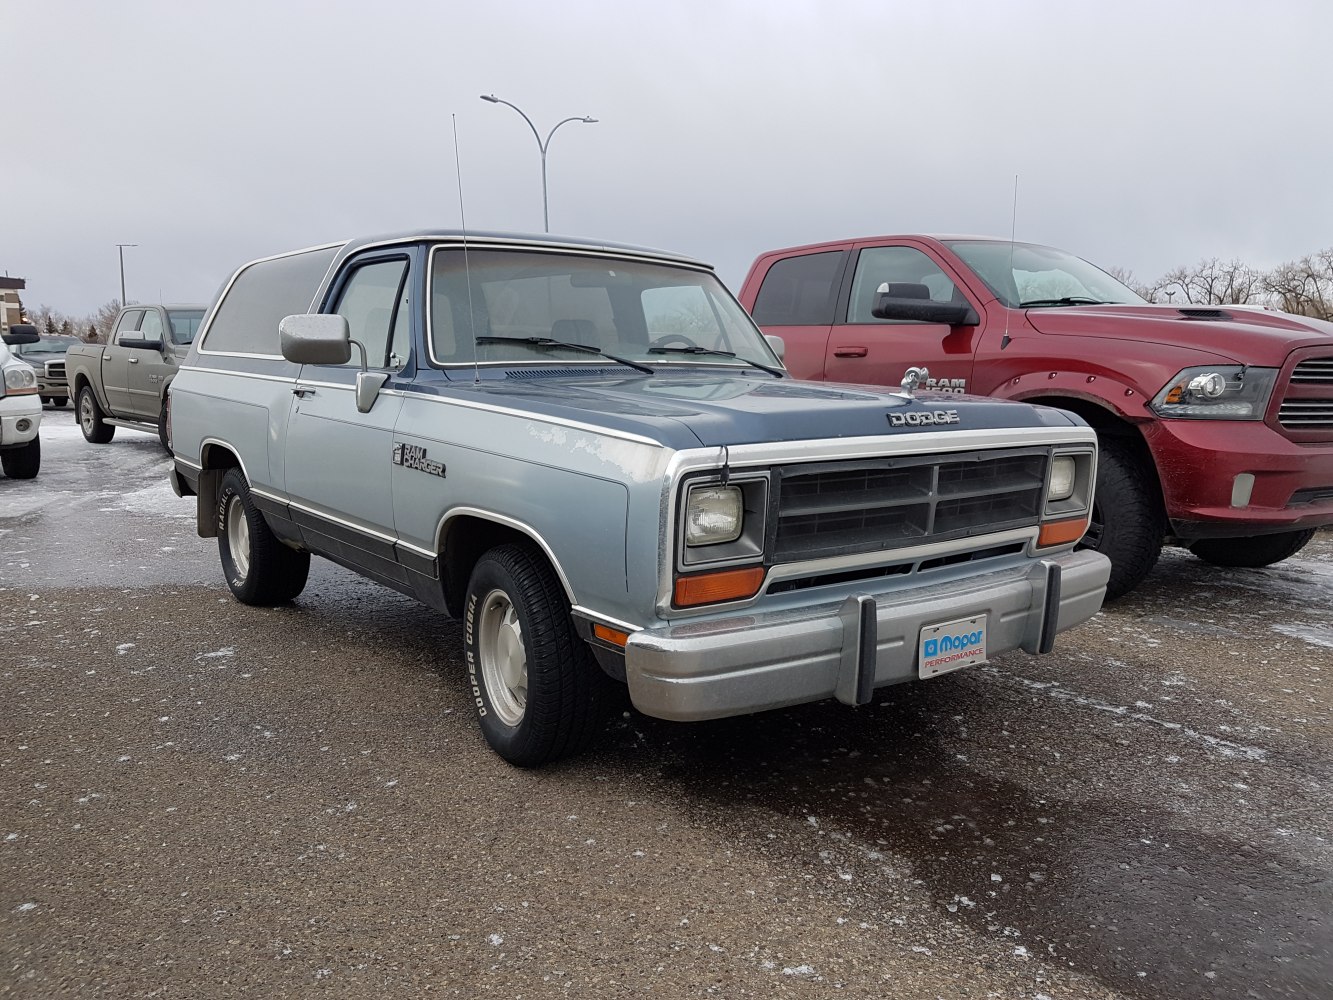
point(560, 344)
point(1068, 300)
point(779, 373)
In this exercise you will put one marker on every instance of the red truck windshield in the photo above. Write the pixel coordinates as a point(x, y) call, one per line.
point(1024, 275)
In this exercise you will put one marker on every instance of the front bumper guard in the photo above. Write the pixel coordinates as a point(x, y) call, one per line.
point(754, 662)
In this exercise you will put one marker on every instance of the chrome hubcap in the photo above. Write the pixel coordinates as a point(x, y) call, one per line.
point(504, 662)
point(86, 414)
point(238, 536)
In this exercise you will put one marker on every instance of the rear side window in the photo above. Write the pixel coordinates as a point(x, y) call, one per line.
point(184, 324)
point(800, 291)
point(246, 320)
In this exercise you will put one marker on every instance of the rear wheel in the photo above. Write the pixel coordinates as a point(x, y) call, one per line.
point(1253, 552)
point(91, 418)
point(260, 570)
point(1127, 524)
point(23, 462)
point(538, 692)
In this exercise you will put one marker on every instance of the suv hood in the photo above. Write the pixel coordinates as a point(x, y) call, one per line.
point(712, 409)
point(1244, 336)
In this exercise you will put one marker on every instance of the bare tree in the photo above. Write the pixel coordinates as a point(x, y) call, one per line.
point(1214, 282)
point(1126, 277)
point(1304, 286)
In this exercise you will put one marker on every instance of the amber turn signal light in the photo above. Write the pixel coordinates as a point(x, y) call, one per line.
point(723, 585)
point(1062, 532)
point(614, 636)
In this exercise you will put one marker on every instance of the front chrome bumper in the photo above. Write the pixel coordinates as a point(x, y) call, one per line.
point(753, 662)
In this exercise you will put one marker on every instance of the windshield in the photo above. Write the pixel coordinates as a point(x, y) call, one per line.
point(654, 314)
point(47, 345)
point(1026, 275)
point(184, 324)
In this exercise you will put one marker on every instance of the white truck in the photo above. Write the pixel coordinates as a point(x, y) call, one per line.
point(20, 407)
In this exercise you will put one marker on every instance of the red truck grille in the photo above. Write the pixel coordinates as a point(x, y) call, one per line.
point(839, 508)
point(1306, 410)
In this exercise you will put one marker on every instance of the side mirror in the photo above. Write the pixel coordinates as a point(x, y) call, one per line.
point(139, 344)
point(778, 344)
point(903, 300)
point(21, 333)
point(315, 339)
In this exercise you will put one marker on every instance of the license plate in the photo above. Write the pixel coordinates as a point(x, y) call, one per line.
point(955, 644)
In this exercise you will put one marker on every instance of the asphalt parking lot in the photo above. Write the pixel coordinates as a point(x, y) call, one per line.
point(201, 799)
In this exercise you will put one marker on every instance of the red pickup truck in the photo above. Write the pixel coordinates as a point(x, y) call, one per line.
point(1216, 423)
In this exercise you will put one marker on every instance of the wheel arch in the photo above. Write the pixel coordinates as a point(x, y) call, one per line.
point(466, 534)
point(1107, 423)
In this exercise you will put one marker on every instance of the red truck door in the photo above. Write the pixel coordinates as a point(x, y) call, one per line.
point(874, 351)
point(796, 301)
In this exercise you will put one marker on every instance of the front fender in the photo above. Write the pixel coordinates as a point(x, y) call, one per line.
point(1111, 394)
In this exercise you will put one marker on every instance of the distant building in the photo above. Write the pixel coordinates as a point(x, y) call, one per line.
point(11, 309)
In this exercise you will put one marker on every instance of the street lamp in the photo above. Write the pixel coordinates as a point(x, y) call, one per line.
point(121, 247)
point(543, 146)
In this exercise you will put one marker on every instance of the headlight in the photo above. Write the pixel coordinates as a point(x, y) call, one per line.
point(713, 515)
point(1060, 482)
point(20, 379)
point(1217, 392)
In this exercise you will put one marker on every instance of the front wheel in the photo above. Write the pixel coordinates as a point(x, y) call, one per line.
point(1127, 524)
point(260, 570)
point(162, 427)
point(538, 692)
point(24, 462)
point(91, 418)
point(1253, 552)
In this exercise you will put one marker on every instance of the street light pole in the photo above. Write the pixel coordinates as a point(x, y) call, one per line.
point(541, 146)
point(121, 247)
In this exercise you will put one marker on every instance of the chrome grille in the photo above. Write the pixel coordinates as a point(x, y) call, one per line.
point(55, 369)
point(1315, 371)
point(1297, 414)
point(838, 508)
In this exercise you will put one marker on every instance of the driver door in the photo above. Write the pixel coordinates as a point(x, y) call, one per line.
point(116, 365)
point(873, 351)
point(147, 369)
point(338, 458)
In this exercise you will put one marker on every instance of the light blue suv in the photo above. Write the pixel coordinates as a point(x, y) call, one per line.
point(591, 456)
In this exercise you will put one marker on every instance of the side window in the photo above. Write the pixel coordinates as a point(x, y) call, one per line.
point(151, 327)
point(129, 323)
point(800, 291)
point(371, 300)
point(897, 265)
point(261, 293)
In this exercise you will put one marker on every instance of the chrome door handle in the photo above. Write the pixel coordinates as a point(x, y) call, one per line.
point(134, 361)
point(303, 391)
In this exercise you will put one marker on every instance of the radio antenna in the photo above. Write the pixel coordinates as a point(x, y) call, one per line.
point(1013, 230)
point(467, 270)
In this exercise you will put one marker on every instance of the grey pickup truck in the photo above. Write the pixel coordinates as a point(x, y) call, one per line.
point(124, 383)
point(591, 456)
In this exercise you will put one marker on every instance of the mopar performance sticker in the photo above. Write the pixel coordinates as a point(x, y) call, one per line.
point(411, 456)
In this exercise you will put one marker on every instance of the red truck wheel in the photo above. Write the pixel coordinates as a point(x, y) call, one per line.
point(1127, 524)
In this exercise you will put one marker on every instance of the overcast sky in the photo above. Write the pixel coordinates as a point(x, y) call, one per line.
point(1144, 135)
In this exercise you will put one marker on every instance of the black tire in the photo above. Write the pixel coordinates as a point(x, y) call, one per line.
point(516, 606)
point(60, 402)
point(1252, 552)
point(162, 427)
point(91, 418)
point(24, 462)
point(1127, 523)
point(46, 400)
point(259, 569)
